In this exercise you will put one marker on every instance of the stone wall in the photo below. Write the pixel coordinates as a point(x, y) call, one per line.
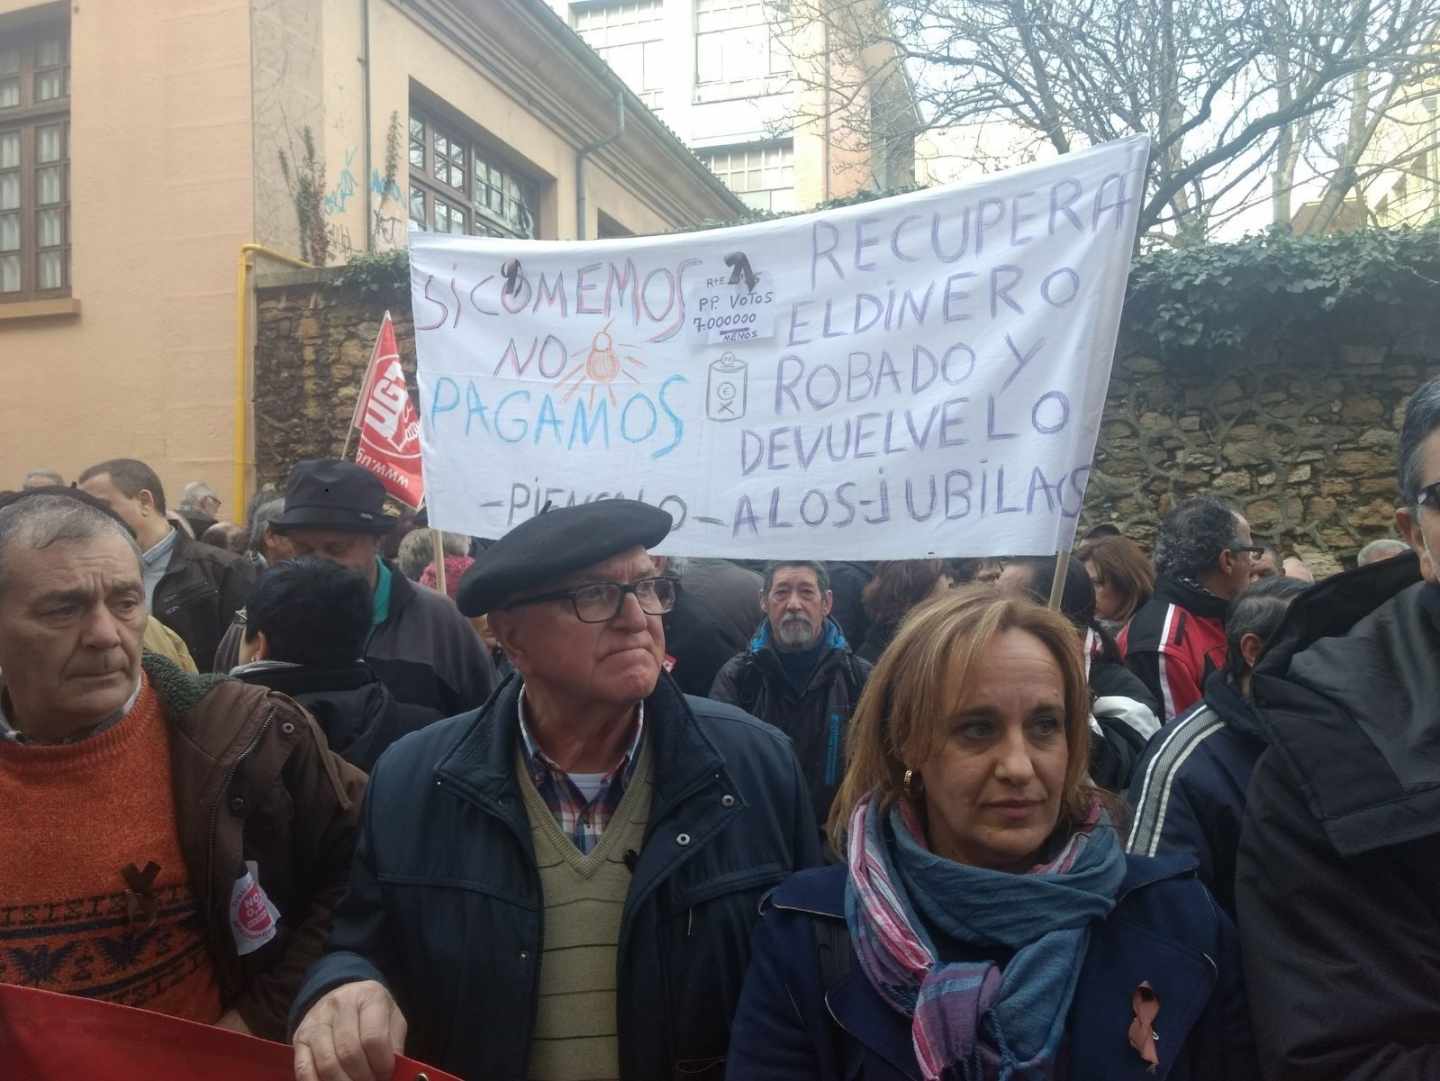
point(1300, 433)
point(312, 344)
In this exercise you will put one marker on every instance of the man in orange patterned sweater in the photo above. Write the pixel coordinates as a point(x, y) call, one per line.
point(171, 842)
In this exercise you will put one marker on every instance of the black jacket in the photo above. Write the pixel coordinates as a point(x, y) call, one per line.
point(358, 714)
point(714, 617)
point(445, 905)
point(1127, 718)
point(200, 594)
point(425, 652)
point(1336, 881)
point(847, 582)
point(816, 719)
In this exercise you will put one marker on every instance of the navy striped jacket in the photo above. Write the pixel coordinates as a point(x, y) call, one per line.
point(1188, 790)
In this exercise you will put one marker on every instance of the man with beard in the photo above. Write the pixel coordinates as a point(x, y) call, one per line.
point(799, 674)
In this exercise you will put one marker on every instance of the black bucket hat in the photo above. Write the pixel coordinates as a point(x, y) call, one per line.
point(325, 493)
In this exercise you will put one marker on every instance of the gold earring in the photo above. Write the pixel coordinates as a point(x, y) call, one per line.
point(907, 782)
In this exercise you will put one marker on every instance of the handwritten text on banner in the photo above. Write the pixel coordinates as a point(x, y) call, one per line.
point(919, 375)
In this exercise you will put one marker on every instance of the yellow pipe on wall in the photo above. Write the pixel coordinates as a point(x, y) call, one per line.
point(242, 328)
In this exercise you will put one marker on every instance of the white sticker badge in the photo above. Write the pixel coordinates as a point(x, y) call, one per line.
point(252, 916)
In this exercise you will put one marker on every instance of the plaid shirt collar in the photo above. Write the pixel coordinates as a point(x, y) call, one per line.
point(583, 822)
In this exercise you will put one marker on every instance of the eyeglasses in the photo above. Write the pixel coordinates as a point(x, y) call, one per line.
point(1430, 495)
point(1253, 551)
point(601, 602)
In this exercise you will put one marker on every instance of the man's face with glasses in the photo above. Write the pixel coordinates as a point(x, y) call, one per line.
point(1420, 524)
point(596, 636)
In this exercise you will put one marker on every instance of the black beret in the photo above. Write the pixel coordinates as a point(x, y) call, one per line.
point(556, 543)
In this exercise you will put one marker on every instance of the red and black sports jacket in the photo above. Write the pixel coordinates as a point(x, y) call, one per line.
point(1175, 641)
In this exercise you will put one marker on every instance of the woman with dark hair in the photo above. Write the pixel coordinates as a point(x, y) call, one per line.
point(987, 924)
point(1123, 712)
point(1122, 575)
point(897, 587)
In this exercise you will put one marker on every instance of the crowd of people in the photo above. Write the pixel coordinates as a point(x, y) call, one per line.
point(594, 812)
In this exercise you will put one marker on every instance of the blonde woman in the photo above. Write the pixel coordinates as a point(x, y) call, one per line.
point(987, 925)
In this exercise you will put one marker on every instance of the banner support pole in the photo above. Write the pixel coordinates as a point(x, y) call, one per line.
point(437, 542)
point(1057, 584)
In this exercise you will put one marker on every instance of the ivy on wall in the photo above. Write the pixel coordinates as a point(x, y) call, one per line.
point(1188, 303)
point(1216, 298)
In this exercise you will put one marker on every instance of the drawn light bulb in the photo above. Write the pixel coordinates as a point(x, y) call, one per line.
point(601, 367)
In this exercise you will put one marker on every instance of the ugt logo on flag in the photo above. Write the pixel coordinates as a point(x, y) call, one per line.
point(389, 425)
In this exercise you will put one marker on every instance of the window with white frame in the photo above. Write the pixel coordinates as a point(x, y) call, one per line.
point(734, 42)
point(761, 174)
point(630, 36)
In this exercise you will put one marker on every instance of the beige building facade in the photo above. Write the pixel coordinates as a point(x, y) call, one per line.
point(143, 144)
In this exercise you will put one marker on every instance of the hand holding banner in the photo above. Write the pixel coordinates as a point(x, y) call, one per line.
point(50, 1037)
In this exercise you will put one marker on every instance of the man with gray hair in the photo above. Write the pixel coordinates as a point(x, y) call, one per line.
point(42, 478)
point(1338, 896)
point(1384, 548)
point(175, 842)
point(200, 506)
point(1203, 557)
point(800, 674)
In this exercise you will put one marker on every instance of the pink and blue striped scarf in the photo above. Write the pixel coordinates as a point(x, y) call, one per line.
point(973, 1021)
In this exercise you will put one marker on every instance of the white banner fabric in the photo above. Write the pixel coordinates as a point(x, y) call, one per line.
point(922, 375)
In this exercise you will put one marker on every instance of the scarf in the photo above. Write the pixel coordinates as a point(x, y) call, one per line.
point(973, 1020)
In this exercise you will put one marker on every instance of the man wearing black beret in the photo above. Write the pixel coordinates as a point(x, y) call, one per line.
point(561, 884)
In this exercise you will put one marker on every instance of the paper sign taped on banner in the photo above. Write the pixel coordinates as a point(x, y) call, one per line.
point(734, 312)
point(923, 375)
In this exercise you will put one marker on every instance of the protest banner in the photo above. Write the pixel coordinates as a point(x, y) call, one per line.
point(389, 426)
point(49, 1037)
point(922, 375)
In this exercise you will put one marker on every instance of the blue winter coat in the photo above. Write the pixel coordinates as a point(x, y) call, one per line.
point(1165, 929)
point(445, 906)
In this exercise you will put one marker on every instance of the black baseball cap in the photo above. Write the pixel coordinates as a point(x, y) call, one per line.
point(326, 493)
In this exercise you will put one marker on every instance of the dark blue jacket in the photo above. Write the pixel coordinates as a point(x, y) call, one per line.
point(1189, 789)
point(1166, 929)
point(445, 904)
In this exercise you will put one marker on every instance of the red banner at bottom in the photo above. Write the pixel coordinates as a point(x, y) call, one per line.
point(50, 1037)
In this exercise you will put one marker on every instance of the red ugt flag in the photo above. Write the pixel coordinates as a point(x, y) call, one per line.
point(389, 425)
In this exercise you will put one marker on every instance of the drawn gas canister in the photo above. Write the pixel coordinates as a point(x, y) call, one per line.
point(727, 392)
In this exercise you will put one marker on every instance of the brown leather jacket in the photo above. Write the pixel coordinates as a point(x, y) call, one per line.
point(255, 781)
